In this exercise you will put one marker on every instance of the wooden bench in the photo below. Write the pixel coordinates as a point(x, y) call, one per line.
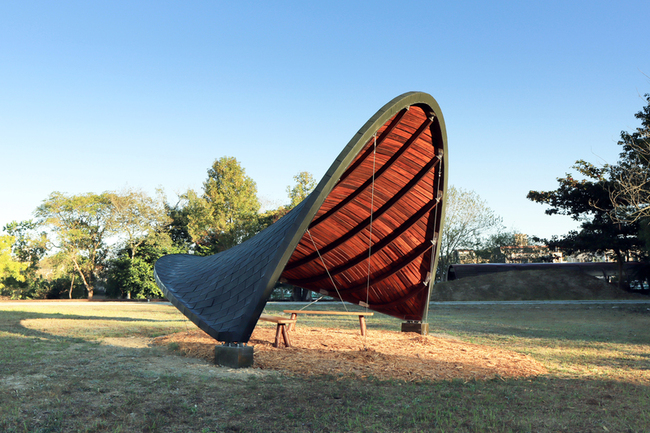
point(281, 329)
point(362, 316)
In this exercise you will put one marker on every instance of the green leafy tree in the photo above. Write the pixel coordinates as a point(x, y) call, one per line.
point(178, 229)
point(134, 216)
point(630, 191)
point(30, 244)
point(29, 248)
point(136, 219)
point(80, 224)
point(269, 217)
point(61, 280)
point(131, 275)
point(227, 212)
point(588, 200)
point(305, 184)
point(11, 270)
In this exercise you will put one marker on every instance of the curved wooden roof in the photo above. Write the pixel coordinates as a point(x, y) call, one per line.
point(368, 234)
point(370, 242)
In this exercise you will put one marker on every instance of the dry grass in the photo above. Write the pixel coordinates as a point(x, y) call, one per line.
point(90, 368)
point(383, 355)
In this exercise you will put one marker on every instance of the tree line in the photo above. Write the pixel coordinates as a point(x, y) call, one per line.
point(77, 244)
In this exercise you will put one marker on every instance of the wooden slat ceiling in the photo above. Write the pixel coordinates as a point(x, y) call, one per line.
point(373, 240)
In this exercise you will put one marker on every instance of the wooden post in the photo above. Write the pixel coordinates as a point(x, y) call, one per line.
point(362, 322)
point(277, 336)
point(281, 329)
point(292, 326)
point(285, 335)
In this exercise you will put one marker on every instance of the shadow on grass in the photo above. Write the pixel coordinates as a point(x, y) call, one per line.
point(10, 322)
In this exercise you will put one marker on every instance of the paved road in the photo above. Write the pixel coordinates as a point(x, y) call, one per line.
point(460, 303)
point(606, 302)
point(78, 302)
point(441, 304)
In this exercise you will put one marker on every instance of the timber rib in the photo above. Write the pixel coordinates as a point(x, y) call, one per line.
point(365, 223)
point(370, 149)
point(379, 173)
point(381, 244)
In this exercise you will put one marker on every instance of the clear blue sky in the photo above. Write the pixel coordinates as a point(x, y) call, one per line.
point(101, 95)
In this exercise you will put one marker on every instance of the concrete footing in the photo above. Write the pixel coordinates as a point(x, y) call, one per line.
point(234, 355)
point(417, 327)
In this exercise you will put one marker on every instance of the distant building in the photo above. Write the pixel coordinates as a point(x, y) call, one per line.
point(521, 240)
point(530, 254)
point(521, 252)
point(588, 257)
point(467, 256)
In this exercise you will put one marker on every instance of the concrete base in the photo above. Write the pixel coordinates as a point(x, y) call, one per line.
point(233, 355)
point(417, 327)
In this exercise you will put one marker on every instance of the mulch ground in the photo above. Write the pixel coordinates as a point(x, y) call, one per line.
point(384, 355)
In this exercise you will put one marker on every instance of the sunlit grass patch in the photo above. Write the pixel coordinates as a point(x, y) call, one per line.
point(612, 361)
point(98, 328)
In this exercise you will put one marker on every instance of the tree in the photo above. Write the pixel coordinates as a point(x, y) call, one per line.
point(130, 274)
point(305, 184)
point(178, 226)
point(588, 200)
point(30, 244)
point(57, 278)
point(135, 216)
point(28, 248)
point(227, 212)
point(468, 219)
point(630, 191)
point(490, 249)
point(10, 270)
point(271, 217)
point(80, 224)
point(136, 219)
point(611, 201)
point(132, 277)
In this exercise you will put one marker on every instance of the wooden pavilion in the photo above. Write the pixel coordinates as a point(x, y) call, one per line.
point(368, 234)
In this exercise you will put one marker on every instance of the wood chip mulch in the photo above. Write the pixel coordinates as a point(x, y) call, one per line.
point(384, 355)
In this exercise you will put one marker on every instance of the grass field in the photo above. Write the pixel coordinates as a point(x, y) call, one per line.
point(87, 367)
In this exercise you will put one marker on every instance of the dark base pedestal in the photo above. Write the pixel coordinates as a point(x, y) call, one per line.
point(417, 327)
point(234, 356)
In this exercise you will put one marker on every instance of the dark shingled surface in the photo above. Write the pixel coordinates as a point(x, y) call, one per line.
point(218, 292)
